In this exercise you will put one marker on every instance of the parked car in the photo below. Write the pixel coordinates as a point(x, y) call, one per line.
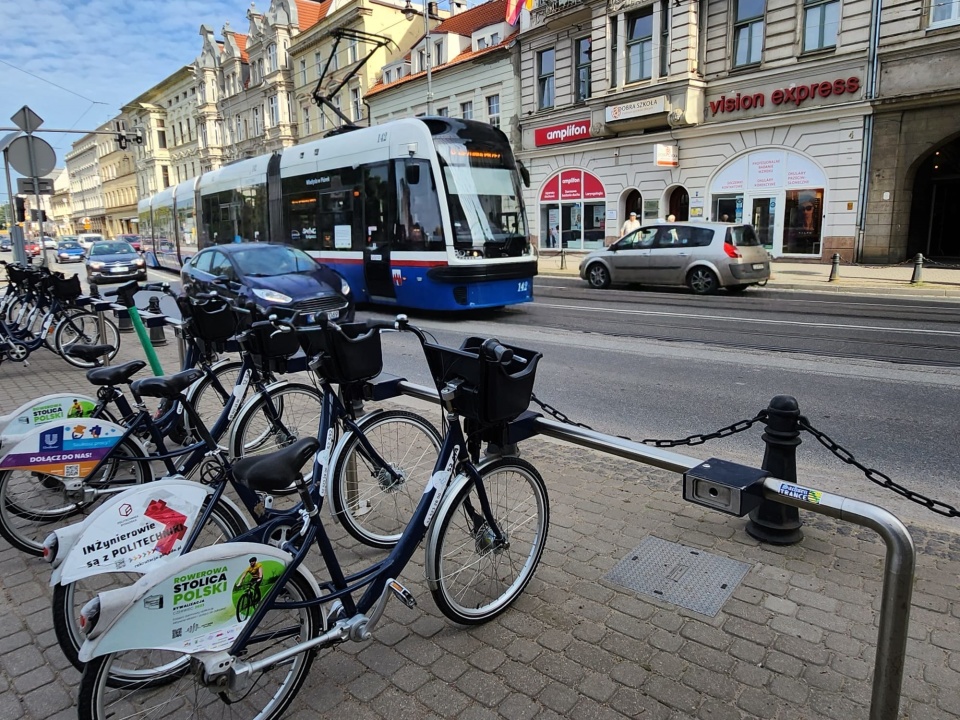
point(88, 239)
point(703, 256)
point(276, 277)
point(32, 248)
point(6, 244)
point(134, 240)
point(69, 251)
point(113, 261)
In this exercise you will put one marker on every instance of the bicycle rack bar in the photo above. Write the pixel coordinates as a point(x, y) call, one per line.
point(899, 569)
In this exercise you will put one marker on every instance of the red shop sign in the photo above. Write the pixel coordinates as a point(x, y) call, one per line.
point(592, 187)
point(551, 190)
point(564, 133)
point(571, 184)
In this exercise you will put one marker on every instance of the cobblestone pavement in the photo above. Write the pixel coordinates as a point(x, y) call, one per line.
point(796, 639)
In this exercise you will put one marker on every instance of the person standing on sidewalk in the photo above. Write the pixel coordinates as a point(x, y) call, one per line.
point(630, 225)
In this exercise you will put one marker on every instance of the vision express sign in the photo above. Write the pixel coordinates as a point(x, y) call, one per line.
point(564, 133)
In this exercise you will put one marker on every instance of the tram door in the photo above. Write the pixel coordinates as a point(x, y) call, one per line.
point(379, 230)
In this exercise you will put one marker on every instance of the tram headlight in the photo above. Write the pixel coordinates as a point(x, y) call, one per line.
point(272, 295)
point(344, 287)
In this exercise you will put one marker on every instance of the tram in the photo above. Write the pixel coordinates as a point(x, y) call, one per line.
point(420, 213)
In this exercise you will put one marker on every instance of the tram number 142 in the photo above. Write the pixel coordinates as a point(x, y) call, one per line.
point(523, 286)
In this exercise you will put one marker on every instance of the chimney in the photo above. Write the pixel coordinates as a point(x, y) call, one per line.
point(457, 6)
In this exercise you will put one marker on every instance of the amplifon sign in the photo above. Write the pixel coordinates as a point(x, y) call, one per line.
point(557, 134)
point(794, 95)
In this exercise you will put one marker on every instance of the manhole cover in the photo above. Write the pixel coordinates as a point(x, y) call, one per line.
point(684, 576)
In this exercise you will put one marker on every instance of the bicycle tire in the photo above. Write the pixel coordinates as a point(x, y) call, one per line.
point(207, 399)
point(366, 501)
point(264, 699)
point(69, 333)
point(254, 432)
point(472, 579)
point(68, 598)
point(25, 525)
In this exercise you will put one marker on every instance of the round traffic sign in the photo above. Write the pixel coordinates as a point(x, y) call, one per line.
point(43, 156)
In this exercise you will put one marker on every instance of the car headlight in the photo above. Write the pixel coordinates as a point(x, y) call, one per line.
point(344, 287)
point(96, 266)
point(272, 295)
point(64, 254)
point(138, 262)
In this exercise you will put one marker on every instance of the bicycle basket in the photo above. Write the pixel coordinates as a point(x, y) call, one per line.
point(270, 348)
point(352, 356)
point(212, 322)
point(66, 288)
point(491, 393)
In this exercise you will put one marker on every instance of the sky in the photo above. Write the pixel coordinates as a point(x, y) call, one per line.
point(76, 62)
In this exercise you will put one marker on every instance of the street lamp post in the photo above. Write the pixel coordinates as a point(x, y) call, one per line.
point(410, 13)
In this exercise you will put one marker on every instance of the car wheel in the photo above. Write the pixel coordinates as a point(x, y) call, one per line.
point(598, 276)
point(736, 289)
point(702, 281)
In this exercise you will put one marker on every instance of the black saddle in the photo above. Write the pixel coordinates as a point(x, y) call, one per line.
point(117, 374)
point(90, 352)
point(277, 470)
point(166, 386)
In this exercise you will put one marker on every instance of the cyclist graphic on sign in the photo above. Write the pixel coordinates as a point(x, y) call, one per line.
point(249, 585)
point(76, 410)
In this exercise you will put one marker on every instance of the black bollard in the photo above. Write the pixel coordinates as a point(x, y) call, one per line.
point(124, 323)
point(917, 270)
point(774, 522)
point(156, 331)
point(835, 268)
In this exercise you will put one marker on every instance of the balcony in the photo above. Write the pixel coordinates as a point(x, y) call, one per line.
point(556, 12)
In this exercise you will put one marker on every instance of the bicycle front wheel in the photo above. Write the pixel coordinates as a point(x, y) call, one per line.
point(83, 329)
point(475, 576)
point(374, 496)
point(212, 393)
point(264, 696)
point(32, 505)
point(277, 419)
point(68, 599)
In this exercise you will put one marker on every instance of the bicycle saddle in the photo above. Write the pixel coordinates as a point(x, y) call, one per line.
point(166, 386)
point(115, 375)
point(90, 352)
point(277, 470)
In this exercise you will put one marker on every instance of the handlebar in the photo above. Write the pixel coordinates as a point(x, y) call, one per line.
point(493, 350)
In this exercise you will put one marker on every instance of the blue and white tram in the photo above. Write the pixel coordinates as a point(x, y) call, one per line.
point(420, 213)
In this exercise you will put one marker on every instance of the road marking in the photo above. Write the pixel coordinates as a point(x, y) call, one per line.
point(756, 321)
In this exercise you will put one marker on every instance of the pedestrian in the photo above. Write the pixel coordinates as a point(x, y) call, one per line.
point(671, 218)
point(630, 225)
point(553, 237)
point(724, 218)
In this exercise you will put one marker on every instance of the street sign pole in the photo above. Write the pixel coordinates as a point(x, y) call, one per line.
point(44, 260)
point(16, 237)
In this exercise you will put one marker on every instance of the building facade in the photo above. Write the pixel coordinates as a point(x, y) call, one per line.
point(88, 213)
point(61, 208)
point(118, 181)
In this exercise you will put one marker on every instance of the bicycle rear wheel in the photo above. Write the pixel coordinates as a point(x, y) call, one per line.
point(265, 697)
point(473, 576)
point(277, 419)
point(210, 397)
point(68, 599)
point(371, 504)
point(83, 329)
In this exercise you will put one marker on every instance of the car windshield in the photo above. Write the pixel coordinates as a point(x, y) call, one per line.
point(112, 248)
point(272, 260)
point(70, 246)
point(743, 236)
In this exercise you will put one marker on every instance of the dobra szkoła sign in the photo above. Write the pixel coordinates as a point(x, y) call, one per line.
point(793, 96)
point(563, 133)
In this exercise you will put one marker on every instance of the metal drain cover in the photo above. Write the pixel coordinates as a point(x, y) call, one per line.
point(684, 576)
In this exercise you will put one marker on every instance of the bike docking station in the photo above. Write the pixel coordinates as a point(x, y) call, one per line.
point(769, 495)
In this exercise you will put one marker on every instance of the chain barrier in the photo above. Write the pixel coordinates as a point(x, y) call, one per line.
point(928, 262)
point(698, 439)
point(875, 476)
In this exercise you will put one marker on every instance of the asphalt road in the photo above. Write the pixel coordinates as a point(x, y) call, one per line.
point(881, 376)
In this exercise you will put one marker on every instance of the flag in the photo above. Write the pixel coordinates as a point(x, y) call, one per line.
point(513, 11)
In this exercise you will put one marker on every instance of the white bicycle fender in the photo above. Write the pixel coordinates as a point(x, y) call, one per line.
point(243, 409)
point(40, 411)
point(433, 532)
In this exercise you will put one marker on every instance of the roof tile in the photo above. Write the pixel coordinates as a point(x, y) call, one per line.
point(469, 21)
point(310, 12)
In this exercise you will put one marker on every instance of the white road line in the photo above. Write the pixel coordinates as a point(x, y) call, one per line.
point(756, 321)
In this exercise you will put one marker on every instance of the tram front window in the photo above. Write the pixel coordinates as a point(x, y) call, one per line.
point(484, 198)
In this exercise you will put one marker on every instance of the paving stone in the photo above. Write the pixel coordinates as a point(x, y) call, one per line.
point(443, 699)
point(485, 688)
point(518, 707)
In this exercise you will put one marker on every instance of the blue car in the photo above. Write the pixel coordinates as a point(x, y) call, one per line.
point(69, 251)
point(278, 278)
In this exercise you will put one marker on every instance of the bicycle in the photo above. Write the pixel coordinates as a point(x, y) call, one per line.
point(483, 547)
point(407, 460)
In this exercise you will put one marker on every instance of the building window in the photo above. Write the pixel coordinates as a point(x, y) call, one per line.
point(388, 76)
point(273, 108)
point(161, 135)
point(640, 45)
point(442, 112)
point(944, 12)
point(303, 72)
point(256, 122)
point(306, 120)
point(438, 53)
point(334, 62)
point(820, 21)
point(323, 119)
point(165, 173)
point(260, 69)
point(355, 104)
point(422, 59)
point(318, 61)
point(271, 57)
point(466, 110)
point(481, 43)
point(203, 92)
point(352, 50)
point(203, 134)
point(614, 39)
point(545, 87)
point(582, 90)
point(748, 32)
point(664, 38)
point(239, 128)
point(336, 104)
point(495, 39)
point(183, 138)
point(493, 110)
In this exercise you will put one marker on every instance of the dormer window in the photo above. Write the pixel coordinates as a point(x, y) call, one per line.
point(422, 59)
point(481, 43)
point(438, 53)
point(388, 76)
point(495, 39)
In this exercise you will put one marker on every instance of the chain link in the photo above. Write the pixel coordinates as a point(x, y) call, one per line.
point(699, 439)
point(875, 476)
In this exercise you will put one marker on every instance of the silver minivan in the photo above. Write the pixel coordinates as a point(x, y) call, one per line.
point(704, 256)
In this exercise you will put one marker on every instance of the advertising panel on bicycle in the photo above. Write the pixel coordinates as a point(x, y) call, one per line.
point(67, 449)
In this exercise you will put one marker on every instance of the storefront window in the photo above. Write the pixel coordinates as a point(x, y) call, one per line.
point(804, 213)
point(573, 211)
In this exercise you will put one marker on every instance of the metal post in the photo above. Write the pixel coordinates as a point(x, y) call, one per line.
point(917, 278)
point(835, 269)
point(16, 237)
point(156, 332)
point(426, 26)
point(563, 258)
point(44, 262)
point(774, 522)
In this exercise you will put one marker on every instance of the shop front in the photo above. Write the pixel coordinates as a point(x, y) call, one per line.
point(572, 211)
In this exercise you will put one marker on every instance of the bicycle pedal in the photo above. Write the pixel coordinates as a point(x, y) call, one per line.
point(404, 595)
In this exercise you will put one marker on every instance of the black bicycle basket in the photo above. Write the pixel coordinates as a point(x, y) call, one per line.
point(490, 393)
point(66, 289)
point(212, 321)
point(351, 356)
point(269, 347)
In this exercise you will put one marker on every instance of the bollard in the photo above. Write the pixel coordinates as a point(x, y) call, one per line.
point(835, 269)
point(774, 522)
point(124, 323)
point(156, 332)
point(563, 258)
point(94, 292)
point(917, 278)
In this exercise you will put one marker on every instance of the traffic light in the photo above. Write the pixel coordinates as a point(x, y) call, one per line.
point(21, 209)
point(139, 138)
point(122, 141)
point(33, 215)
